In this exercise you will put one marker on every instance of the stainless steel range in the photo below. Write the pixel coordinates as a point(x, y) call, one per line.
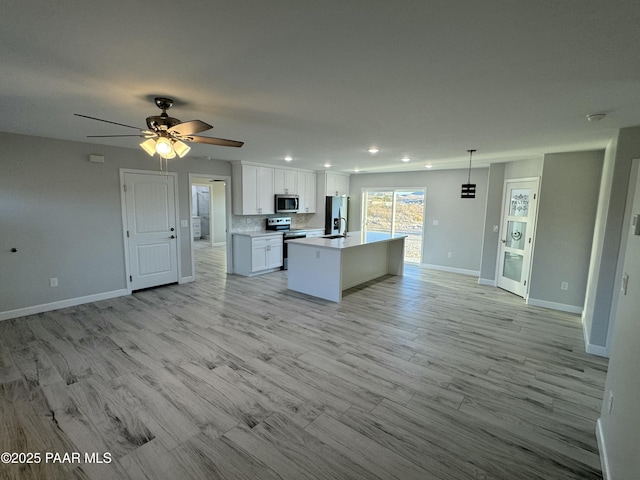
point(283, 224)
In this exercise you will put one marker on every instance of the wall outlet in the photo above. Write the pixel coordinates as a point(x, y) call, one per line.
point(53, 282)
point(450, 254)
point(564, 286)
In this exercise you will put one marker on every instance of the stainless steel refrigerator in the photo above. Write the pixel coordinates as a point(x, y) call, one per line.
point(336, 215)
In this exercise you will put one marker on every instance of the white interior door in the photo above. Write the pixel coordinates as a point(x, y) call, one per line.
point(151, 233)
point(516, 235)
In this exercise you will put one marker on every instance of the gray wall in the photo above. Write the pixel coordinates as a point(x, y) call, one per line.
point(608, 239)
point(492, 216)
point(620, 429)
point(564, 228)
point(63, 214)
point(460, 221)
point(524, 168)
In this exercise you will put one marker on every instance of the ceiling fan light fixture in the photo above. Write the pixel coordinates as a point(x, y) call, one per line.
point(164, 147)
point(149, 146)
point(181, 148)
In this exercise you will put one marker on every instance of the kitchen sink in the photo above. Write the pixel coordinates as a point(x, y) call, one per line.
point(331, 237)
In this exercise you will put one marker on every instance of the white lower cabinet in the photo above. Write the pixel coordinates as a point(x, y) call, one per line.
point(253, 255)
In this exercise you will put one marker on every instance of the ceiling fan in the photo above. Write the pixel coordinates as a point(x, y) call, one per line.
point(166, 135)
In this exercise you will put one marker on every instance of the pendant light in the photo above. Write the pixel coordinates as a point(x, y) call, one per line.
point(469, 189)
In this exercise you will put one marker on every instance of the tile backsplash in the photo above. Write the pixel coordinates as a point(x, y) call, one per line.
point(253, 223)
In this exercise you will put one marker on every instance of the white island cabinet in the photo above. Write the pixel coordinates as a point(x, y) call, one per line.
point(325, 267)
point(255, 253)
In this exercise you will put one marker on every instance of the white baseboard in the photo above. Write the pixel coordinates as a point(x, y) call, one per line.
point(592, 349)
point(488, 282)
point(602, 448)
point(71, 302)
point(190, 278)
point(462, 271)
point(554, 305)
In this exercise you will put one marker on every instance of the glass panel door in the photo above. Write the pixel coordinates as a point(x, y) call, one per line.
point(379, 213)
point(396, 211)
point(517, 235)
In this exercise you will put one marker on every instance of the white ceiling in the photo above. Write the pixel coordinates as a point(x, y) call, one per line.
point(324, 80)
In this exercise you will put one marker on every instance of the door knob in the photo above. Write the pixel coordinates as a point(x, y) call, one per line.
point(172, 229)
point(503, 241)
point(172, 236)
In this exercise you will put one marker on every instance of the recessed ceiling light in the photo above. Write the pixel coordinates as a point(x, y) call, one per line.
point(406, 159)
point(327, 165)
point(373, 150)
point(596, 117)
point(288, 158)
point(356, 170)
point(428, 166)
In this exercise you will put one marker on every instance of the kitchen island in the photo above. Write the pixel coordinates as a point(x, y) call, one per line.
point(325, 267)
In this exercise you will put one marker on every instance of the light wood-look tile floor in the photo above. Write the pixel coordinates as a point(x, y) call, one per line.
point(426, 376)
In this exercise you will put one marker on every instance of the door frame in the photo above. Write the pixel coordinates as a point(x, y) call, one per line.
point(227, 211)
point(502, 232)
point(123, 205)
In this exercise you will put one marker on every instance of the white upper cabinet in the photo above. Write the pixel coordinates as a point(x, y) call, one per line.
point(253, 192)
point(285, 181)
point(336, 184)
point(307, 192)
point(255, 187)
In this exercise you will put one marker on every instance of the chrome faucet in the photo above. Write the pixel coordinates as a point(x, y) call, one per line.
point(345, 225)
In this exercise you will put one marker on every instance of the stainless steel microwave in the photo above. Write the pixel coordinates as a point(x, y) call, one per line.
point(287, 203)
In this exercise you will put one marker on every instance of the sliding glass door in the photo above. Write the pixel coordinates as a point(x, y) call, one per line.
point(396, 211)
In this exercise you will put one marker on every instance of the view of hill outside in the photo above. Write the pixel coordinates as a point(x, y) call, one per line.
point(397, 212)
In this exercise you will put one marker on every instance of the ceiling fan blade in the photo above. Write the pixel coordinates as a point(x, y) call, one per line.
point(107, 136)
point(190, 127)
point(106, 121)
point(213, 141)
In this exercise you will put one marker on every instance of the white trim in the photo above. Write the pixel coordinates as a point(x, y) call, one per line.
point(462, 271)
point(490, 282)
point(563, 307)
point(592, 349)
point(189, 279)
point(602, 447)
point(71, 302)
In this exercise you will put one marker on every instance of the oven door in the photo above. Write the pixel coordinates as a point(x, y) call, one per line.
point(285, 252)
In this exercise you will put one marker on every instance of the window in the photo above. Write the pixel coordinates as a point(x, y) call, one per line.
point(396, 211)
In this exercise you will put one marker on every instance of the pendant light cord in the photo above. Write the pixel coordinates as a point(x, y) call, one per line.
point(470, 154)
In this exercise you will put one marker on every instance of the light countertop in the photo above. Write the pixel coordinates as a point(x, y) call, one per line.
point(353, 239)
point(256, 233)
